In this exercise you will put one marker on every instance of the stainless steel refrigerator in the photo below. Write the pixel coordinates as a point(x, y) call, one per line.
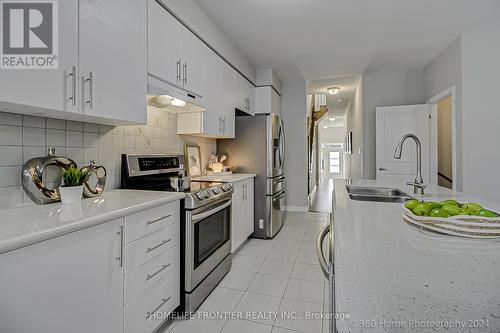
point(259, 148)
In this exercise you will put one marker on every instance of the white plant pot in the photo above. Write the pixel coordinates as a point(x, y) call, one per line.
point(71, 195)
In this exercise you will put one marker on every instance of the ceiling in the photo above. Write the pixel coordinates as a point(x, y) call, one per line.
point(327, 38)
point(347, 85)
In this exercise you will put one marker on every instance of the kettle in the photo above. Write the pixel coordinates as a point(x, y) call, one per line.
point(42, 176)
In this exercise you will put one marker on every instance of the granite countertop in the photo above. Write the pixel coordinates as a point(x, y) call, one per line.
point(234, 178)
point(390, 273)
point(29, 224)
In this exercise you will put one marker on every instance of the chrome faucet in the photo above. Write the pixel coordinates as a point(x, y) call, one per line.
point(418, 183)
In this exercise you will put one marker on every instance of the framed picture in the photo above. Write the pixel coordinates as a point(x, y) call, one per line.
point(193, 160)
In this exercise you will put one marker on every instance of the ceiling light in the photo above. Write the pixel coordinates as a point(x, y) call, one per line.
point(333, 90)
point(178, 102)
point(331, 118)
point(325, 126)
point(340, 100)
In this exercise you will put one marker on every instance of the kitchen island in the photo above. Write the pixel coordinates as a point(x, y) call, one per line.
point(392, 277)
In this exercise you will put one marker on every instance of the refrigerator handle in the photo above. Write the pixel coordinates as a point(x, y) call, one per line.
point(282, 143)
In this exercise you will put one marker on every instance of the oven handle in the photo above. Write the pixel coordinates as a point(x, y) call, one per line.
point(201, 216)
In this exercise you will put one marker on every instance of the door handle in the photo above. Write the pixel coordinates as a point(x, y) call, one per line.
point(90, 81)
point(73, 85)
point(185, 79)
point(382, 169)
point(179, 70)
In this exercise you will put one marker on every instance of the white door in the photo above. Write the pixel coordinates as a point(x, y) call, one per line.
point(331, 163)
point(164, 44)
point(48, 88)
point(392, 123)
point(113, 59)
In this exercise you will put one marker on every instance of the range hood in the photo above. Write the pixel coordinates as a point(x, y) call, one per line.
point(167, 97)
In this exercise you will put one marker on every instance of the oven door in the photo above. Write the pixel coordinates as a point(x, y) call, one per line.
point(208, 240)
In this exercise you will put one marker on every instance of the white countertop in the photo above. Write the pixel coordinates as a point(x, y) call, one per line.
point(388, 271)
point(28, 224)
point(234, 178)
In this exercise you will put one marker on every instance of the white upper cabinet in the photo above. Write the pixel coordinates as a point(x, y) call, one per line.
point(194, 63)
point(48, 88)
point(267, 100)
point(102, 74)
point(244, 94)
point(164, 44)
point(113, 60)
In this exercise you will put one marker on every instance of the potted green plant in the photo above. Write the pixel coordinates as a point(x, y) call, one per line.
point(72, 188)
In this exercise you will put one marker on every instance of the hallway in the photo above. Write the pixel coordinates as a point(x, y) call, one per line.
point(322, 198)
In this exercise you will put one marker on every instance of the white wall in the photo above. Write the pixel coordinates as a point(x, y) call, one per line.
point(443, 72)
point(353, 163)
point(331, 134)
point(386, 89)
point(293, 111)
point(197, 20)
point(481, 111)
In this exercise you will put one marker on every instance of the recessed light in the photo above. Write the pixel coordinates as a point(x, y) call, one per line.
point(340, 100)
point(332, 118)
point(325, 126)
point(333, 90)
point(178, 102)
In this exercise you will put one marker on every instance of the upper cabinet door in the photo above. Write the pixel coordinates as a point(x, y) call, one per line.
point(244, 93)
point(164, 44)
point(227, 99)
point(48, 88)
point(194, 55)
point(113, 59)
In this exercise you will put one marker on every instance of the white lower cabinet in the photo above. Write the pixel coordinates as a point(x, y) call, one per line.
point(242, 215)
point(119, 276)
point(73, 283)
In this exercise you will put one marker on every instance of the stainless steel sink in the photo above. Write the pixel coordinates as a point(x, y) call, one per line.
point(379, 194)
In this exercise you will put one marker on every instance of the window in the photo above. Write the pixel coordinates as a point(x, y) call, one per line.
point(334, 162)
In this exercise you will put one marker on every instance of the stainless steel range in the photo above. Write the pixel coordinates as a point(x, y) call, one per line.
point(206, 219)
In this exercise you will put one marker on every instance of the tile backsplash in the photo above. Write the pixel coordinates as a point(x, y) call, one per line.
point(25, 137)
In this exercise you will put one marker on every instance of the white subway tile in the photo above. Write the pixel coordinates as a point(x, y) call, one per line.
point(90, 140)
point(11, 155)
point(33, 136)
point(139, 142)
point(90, 128)
point(129, 130)
point(76, 154)
point(30, 121)
point(11, 196)
point(60, 151)
point(105, 155)
point(30, 152)
point(11, 119)
point(117, 141)
point(10, 176)
point(58, 124)
point(118, 130)
point(74, 139)
point(105, 128)
point(11, 135)
point(106, 139)
point(56, 138)
point(90, 154)
point(74, 126)
point(129, 141)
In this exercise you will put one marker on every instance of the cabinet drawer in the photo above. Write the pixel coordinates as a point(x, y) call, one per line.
point(143, 223)
point(145, 313)
point(142, 250)
point(148, 274)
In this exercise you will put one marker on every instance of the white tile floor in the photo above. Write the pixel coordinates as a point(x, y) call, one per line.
point(278, 276)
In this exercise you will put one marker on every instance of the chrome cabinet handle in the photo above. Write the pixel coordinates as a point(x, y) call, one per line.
point(73, 85)
point(163, 302)
point(158, 219)
point(149, 249)
point(185, 79)
point(179, 70)
point(163, 267)
point(224, 125)
point(319, 250)
point(382, 169)
point(90, 81)
point(120, 255)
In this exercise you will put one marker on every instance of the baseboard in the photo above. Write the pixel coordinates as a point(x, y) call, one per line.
point(297, 208)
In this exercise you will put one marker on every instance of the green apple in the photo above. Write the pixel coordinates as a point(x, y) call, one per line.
point(449, 202)
point(486, 213)
point(422, 209)
point(438, 212)
point(434, 204)
point(472, 206)
point(464, 212)
point(452, 209)
point(410, 204)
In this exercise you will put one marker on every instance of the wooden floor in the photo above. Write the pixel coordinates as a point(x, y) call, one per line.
point(322, 200)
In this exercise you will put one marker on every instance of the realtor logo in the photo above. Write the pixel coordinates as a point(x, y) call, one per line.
point(29, 34)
